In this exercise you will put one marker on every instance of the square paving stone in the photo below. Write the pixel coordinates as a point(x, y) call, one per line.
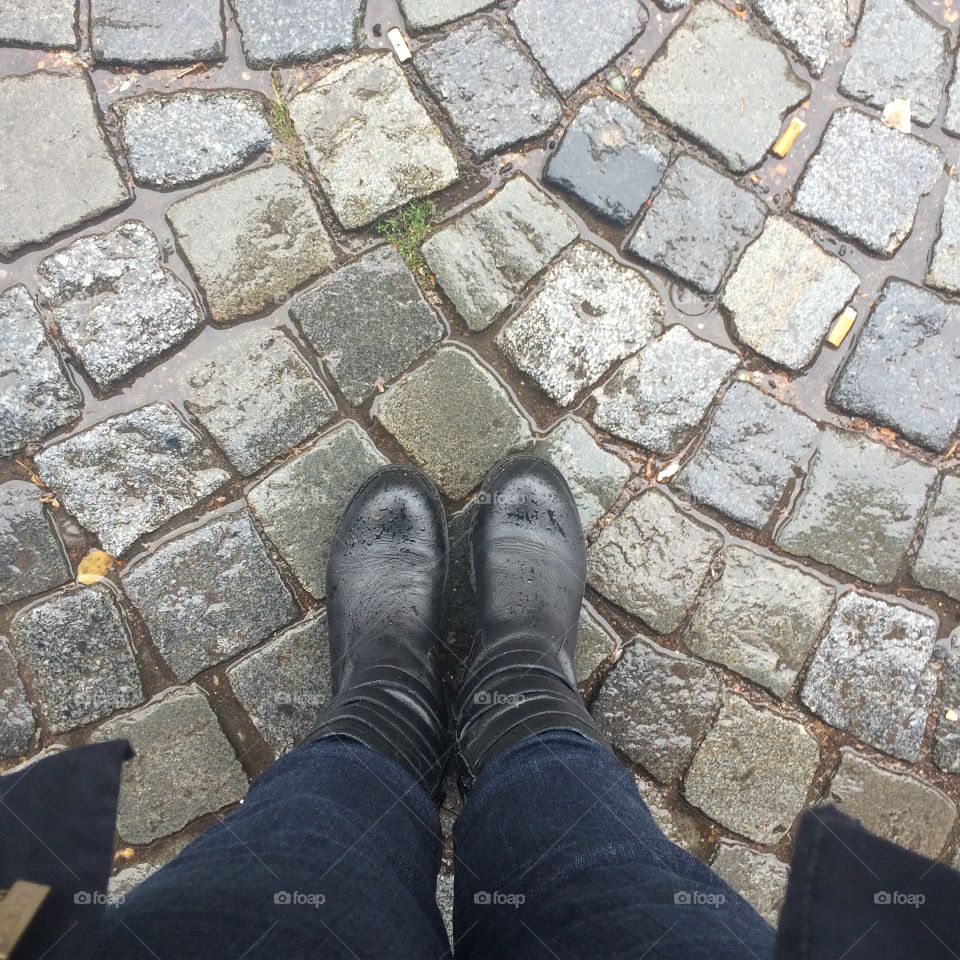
point(183, 768)
point(904, 370)
point(829, 522)
point(56, 167)
point(951, 121)
point(382, 152)
point(299, 505)
point(871, 674)
point(32, 558)
point(39, 23)
point(493, 94)
point(596, 643)
point(658, 398)
point(944, 270)
point(655, 706)
point(722, 84)
point(652, 560)
point(17, 724)
point(937, 564)
point(423, 14)
point(752, 453)
point(571, 40)
point(285, 684)
point(901, 809)
point(76, 654)
point(589, 313)
point(899, 53)
point(252, 240)
point(130, 474)
point(114, 303)
point(257, 397)
point(946, 735)
point(151, 31)
point(291, 31)
point(36, 397)
point(866, 180)
point(753, 771)
point(760, 878)
point(697, 224)
point(368, 321)
point(815, 30)
point(761, 618)
point(809, 286)
point(454, 419)
point(610, 159)
point(209, 595)
point(485, 258)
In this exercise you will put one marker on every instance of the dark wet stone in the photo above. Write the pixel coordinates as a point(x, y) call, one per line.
point(904, 370)
point(460, 602)
point(114, 303)
point(382, 152)
point(369, 322)
point(652, 560)
point(760, 618)
point(697, 224)
point(58, 169)
point(753, 771)
point(423, 14)
point(37, 397)
point(866, 180)
point(485, 258)
point(77, 657)
point(937, 564)
point(871, 674)
point(184, 765)
point(829, 522)
point(946, 735)
point(454, 419)
point(39, 23)
point(900, 53)
point(130, 474)
point(252, 240)
point(596, 643)
point(760, 878)
point(610, 159)
point(753, 450)
point(172, 139)
point(944, 271)
point(655, 706)
point(815, 30)
point(493, 94)
point(709, 68)
point(17, 724)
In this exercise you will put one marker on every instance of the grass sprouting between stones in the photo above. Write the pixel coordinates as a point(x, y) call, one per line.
point(279, 116)
point(407, 229)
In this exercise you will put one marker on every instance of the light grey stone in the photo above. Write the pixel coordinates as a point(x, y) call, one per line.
point(445, 901)
point(485, 258)
point(17, 724)
point(937, 564)
point(130, 474)
point(946, 735)
point(382, 152)
point(679, 825)
point(126, 880)
point(423, 14)
point(760, 878)
point(596, 643)
point(944, 270)
point(39, 23)
point(815, 30)
point(951, 121)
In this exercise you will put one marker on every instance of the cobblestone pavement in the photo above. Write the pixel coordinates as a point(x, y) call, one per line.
point(206, 344)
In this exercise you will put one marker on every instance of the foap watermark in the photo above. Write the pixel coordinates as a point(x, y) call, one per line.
point(294, 898)
point(497, 898)
point(97, 898)
point(697, 898)
point(897, 898)
point(488, 698)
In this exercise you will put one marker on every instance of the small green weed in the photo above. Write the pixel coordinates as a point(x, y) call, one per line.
point(407, 229)
point(279, 116)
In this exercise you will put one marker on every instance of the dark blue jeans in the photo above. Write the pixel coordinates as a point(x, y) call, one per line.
point(334, 854)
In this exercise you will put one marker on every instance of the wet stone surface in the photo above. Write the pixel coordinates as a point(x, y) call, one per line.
point(44, 23)
point(760, 878)
point(422, 14)
point(946, 736)
point(17, 723)
point(951, 121)
point(814, 29)
point(937, 564)
point(944, 272)
point(596, 643)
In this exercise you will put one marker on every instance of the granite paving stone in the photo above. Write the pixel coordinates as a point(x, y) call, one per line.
point(946, 735)
point(655, 706)
point(815, 30)
point(944, 272)
point(299, 504)
point(485, 258)
point(679, 825)
point(17, 724)
point(40, 23)
point(829, 521)
point(424, 14)
point(36, 396)
point(753, 453)
point(382, 152)
point(52, 137)
point(866, 180)
point(183, 766)
point(75, 649)
point(454, 419)
point(697, 224)
point(610, 159)
point(589, 313)
point(722, 84)
point(32, 558)
point(760, 618)
point(114, 303)
point(209, 595)
point(174, 139)
point(658, 398)
point(596, 643)
point(760, 878)
point(951, 121)
point(937, 564)
point(652, 560)
point(871, 674)
point(130, 474)
point(753, 771)
point(810, 288)
point(369, 322)
point(492, 93)
point(257, 397)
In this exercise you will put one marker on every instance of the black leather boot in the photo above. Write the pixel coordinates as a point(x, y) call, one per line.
point(385, 581)
point(529, 569)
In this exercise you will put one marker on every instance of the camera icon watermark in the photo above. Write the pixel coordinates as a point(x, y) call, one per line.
point(97, 898)
point(496, 898)
point(697, 898)
point(294, 898)
point(488, 698)
point(896, 898)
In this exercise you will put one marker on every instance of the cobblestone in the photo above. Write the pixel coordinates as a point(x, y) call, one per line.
point(937, 564)
point(760, 878)
point(944, 273)
point(41, 23)
point(423, 14)
point(951, 121)
point(946, 736)
point(814, 29)
point(17, 723)
point(596, 643)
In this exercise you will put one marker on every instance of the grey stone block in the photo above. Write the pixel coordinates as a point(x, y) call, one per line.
point(17, 724)
point(944, 270)
point(946, 735)
point(760, 878)
point(937, 564)
point(424, 14)
point(815, 30)
point(596, 643)
point(40, 23)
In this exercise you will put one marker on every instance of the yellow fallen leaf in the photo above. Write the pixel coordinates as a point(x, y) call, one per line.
point(952, 715)
point(94, 567)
